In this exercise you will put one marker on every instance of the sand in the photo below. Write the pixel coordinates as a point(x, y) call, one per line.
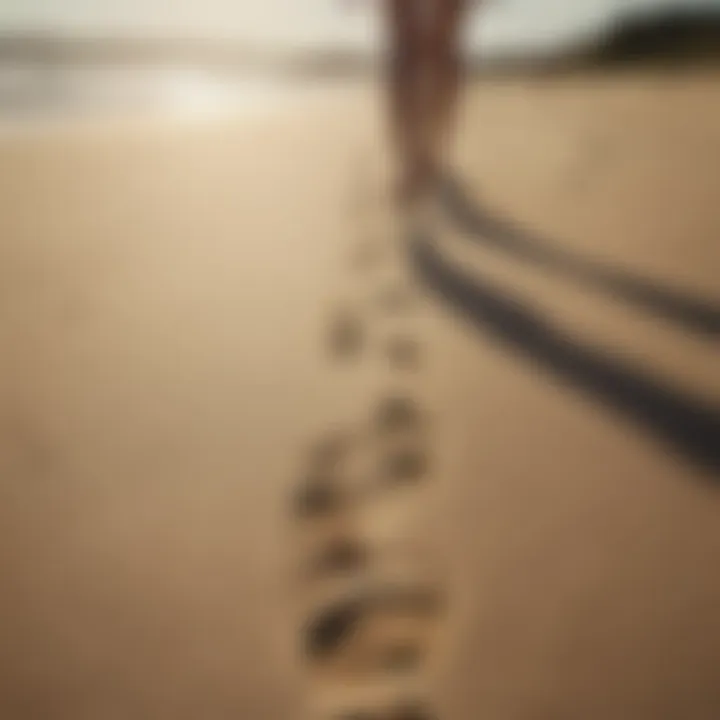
point(167, 291)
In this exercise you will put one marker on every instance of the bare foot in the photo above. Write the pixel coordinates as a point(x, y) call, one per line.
point(416, 180)
point(409, 190)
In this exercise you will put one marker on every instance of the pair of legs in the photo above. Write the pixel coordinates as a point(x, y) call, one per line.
point(424, 77)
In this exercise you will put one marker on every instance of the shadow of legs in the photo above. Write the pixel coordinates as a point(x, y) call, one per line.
point(684, 424)
point(693, 314)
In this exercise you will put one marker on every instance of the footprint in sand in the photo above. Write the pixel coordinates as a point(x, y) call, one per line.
point(398, 414)
point(366, 622)
point(400, 428)
point(340, 555)
point(366, 627)
point(325, 506)
point(406, 465)
point(319, 497)
point(383, 631)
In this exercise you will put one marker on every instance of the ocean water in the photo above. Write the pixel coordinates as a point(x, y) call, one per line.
point(43, 92)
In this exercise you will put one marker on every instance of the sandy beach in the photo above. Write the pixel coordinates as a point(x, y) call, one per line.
point(166, 294)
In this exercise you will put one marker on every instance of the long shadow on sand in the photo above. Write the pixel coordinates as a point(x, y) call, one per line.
point(686, 425)
point(693, 314)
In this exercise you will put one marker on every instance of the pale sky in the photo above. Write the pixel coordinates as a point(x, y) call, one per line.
point(505, 22)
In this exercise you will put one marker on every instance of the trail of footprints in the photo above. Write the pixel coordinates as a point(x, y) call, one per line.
point(371, 605)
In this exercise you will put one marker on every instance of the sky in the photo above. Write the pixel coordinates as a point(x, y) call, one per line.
point(504, 23)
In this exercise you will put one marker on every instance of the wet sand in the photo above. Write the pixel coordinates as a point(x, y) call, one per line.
point(166, 293)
